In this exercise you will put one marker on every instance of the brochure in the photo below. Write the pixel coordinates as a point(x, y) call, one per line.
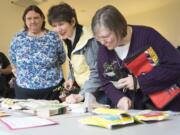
point(15, 123)
point(152, 116)
point(107, 121)
point(109, 111)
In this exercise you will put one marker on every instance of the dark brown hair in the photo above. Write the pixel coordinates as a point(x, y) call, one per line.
point(62, 12)
point(35, 9)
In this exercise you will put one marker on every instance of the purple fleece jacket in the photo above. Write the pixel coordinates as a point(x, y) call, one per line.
point(162, 76)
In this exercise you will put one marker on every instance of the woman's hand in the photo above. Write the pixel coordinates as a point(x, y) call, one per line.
point(124, 103)
point(68, 85)
point(12, 82)
point(74, 98)
point(126, 83)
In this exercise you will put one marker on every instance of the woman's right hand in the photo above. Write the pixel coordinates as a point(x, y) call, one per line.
point(124, 103)
point(12, 82)
point(68, 85)
point(74, 98)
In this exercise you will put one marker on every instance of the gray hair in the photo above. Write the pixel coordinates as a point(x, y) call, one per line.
point(109, 17)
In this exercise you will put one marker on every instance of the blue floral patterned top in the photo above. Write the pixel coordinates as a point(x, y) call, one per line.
point(37, 60)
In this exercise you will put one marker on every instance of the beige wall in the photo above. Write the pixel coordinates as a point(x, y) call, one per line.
point(10, 23)
point(165, 19)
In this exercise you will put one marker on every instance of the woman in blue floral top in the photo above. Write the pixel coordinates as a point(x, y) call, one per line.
point(36, 55)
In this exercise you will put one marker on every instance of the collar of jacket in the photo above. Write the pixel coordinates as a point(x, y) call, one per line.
point(86, 35)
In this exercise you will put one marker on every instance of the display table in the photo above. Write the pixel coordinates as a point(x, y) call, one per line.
point(69, 125)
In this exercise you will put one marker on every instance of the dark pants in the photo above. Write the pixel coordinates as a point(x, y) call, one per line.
point(3, 85)
point(5, 90)
point(102, 98)
point(47, 93)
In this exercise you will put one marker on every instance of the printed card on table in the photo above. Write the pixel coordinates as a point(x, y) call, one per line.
point(26, 122)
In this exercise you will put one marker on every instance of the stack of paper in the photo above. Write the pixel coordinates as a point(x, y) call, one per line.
point(47, 110)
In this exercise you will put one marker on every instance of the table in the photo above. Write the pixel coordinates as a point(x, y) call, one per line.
point(69, 125)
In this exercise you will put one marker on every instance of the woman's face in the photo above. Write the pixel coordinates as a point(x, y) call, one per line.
point(106, 37)
point(64, 29)
point(34, 22)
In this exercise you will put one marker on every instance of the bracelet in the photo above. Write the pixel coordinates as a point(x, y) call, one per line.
point(135, 83)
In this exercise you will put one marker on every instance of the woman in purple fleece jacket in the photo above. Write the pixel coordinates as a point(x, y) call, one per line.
point(121, 41)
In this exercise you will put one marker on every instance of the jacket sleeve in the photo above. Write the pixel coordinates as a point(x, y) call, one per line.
point(92, 84)
point(70, 72)
point(60, 51)
point(112, 93)
point(4, 60)
point(167, 72)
